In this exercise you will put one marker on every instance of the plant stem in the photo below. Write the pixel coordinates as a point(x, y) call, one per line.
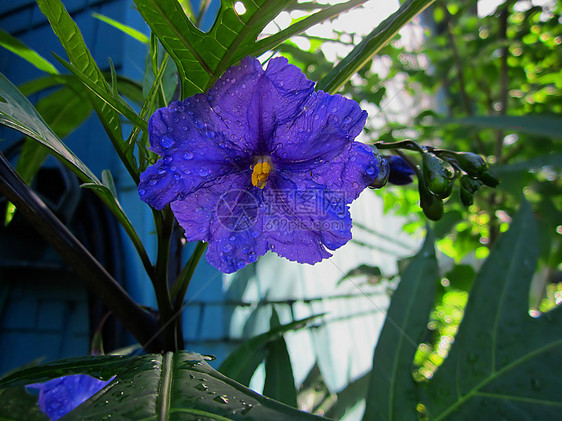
point(164, 221)
point(184, 278)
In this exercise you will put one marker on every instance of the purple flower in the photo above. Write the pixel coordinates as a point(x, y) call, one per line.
point(261, 162)
point(59, 396)
point(400, 171)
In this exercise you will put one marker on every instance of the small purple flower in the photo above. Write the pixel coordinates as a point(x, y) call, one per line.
point(400, 171)
point(261, 162)
point(59, 396)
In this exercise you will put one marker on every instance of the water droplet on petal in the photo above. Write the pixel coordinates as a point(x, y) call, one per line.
point(142, 192)
point(370, 170)
point(240, 264)
point(188, 155)
point(167, 141)
point(203, 171)
point(152, 181)
point(232, 238)
point(168, 159)
point(227, 248)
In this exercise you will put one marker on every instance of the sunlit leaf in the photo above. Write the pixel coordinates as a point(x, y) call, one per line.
point(132, 32)
point(20, 49)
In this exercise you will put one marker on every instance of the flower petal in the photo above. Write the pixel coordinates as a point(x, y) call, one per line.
point(303, 218)
point(326, 125)
point(59, 396)
point(349, 173)
point(228, 216)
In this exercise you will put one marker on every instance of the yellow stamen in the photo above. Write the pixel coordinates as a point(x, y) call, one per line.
point(260, 174)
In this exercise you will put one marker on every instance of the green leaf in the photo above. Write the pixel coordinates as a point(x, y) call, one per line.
point(19, 48)
point(243, 361)
point(538, 125)
point(81, 59)
point(201, 58)
point(279, 379)
point(132, 32)
point(391, 393)
point(108, 98)
point(371, 45)
point(272, 41)
point(170, 386)
point(503, 363)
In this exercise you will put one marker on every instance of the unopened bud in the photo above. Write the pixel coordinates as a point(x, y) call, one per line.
point(438, 178)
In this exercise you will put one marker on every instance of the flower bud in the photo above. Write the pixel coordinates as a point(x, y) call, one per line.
point(400, 171)
point(471, 163)
point(470, 184)
point(467, 197)
point(438, 178)
point(431, 205)
point(489, 179)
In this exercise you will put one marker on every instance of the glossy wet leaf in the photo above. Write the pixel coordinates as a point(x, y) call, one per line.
point(17, 405)
point(170, 386)
point(392, 392)
point(504, 364)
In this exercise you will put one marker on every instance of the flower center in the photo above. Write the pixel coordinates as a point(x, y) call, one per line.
point(262, 168)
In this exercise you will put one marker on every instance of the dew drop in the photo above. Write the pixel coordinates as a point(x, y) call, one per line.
point(370, 170)
point(227, 248)
point(203, 171)
point(142, 192)
point(152, 181)
point(210, 134)
point(188, 155)
point(168, 159)
point(232, 238)
point(221, 399)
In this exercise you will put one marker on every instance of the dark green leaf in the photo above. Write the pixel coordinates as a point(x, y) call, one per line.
point(279, 380)
point(241, 364)
point(391, 394)
point(503, 363)
point(370, 45)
